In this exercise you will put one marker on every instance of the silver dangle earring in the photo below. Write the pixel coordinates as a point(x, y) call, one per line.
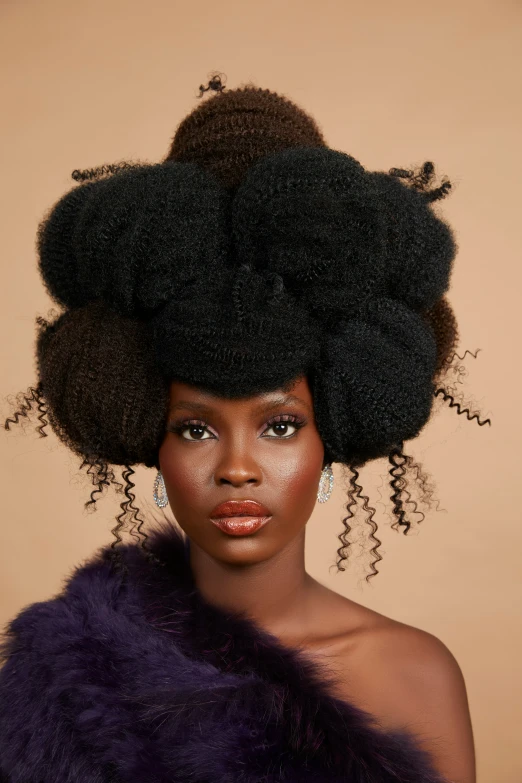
point(160, 491)
point(325, 484)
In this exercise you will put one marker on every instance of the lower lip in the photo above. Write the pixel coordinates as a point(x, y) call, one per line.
point(240, 526)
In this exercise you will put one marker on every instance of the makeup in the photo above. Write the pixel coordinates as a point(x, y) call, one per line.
point(240, 526)
point(240, 517)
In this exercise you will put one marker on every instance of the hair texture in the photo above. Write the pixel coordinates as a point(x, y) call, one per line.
point(252, 255)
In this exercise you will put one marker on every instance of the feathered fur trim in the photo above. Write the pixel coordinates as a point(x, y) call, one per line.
point(137, 679)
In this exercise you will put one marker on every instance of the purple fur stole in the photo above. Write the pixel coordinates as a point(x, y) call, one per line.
point(137, 679)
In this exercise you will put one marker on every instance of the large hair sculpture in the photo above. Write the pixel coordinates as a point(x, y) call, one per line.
point(252, 255)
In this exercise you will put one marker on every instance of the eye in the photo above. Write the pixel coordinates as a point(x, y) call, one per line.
point(197, 428)
point(280, 425)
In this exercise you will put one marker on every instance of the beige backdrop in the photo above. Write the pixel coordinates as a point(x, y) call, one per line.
point(394, 84)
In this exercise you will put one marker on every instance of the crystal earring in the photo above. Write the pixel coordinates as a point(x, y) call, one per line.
point(160, 491)
point(325, 484)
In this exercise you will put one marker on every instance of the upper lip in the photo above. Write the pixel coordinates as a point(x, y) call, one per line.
point(240, 508)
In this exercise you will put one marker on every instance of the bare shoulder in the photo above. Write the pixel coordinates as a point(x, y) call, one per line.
point(407, 678)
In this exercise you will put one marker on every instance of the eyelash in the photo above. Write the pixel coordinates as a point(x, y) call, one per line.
point(295, 421)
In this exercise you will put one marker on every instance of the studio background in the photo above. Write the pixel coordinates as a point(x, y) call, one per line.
point(393, 85)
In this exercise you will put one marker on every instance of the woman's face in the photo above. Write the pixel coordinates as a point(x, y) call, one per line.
point(264, 448)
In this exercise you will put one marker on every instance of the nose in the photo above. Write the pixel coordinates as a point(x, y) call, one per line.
point(238, 468)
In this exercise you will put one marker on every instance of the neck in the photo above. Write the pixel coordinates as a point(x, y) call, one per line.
point(275, 593)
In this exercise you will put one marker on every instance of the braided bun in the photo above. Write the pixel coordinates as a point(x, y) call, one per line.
point(230, 132)
point(313, 216)
point(374, 385)
point(133, 239)
point(106, 399)
point(246, 334)
point(420, 247)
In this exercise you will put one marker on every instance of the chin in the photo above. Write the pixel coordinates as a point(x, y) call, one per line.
point(240, 550)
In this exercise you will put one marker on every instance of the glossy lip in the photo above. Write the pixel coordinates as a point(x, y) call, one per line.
point(239, 508)
point(239, 526)
point(240, 517)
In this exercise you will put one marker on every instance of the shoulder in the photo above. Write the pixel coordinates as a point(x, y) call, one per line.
point(409, 680)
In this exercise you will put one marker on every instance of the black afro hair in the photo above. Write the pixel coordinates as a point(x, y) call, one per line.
point(252, 255)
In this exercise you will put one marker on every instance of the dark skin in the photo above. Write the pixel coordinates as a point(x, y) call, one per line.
point(227, 449)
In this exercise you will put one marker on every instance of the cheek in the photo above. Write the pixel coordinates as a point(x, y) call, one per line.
point(297, 485)
point(186, 483)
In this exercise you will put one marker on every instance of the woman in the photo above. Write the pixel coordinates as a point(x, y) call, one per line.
point(239, 316)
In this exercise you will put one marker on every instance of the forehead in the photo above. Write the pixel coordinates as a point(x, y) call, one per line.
point(297, 394)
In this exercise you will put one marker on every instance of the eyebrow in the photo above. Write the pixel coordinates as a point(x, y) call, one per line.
point(200, 407)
